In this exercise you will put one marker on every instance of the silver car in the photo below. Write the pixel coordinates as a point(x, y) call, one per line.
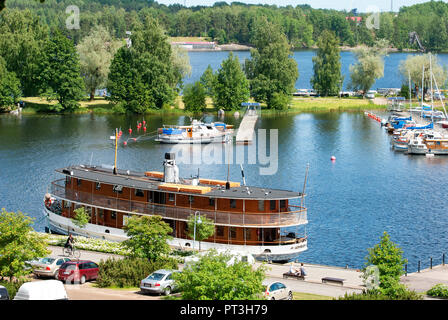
point(159, 281)
point(278, 291)
point(48, 267)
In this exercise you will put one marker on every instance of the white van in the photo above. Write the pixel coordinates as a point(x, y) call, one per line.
point(42, 290)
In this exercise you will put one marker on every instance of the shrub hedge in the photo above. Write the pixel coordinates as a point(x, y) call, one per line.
point(128, 272)
point(439, 290)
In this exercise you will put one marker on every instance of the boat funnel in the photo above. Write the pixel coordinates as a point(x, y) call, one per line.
point(170, 169)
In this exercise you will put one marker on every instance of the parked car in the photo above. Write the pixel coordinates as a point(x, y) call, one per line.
point(42, 290)
point(370, 94)
point(159, 281)
point(78, 271)
point(4, 293)
point(48, 267)
point(278, 291)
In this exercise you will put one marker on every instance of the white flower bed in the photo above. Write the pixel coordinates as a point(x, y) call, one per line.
point(84, 243)
point(93, 244)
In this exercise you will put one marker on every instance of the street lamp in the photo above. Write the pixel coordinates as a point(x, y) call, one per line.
point(198, 221)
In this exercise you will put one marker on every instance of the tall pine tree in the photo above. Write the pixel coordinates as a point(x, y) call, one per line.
point(327, 65)
point(60, 73)
point(231, 87)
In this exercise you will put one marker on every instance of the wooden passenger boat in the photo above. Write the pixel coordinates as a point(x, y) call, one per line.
point(261, 221)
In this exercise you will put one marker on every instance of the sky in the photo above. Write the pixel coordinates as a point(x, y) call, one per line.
point(361, 5)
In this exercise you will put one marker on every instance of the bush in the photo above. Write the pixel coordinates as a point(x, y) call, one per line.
point(401, 294)
point(129, 272)
point(279, 101)
point(440, 290)
point(12, 287)
point(194, 97)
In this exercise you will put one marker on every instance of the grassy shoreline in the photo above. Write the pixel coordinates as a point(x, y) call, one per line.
point(36, 105)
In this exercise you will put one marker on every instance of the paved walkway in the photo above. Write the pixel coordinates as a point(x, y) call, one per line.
point(426, 279)
point(85, 255)
point(313, 281)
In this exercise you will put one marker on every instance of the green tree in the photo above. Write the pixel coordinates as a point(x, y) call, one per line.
point(18, 243)
point(205, 228)
point(388, 258)
point(214, 278)
point(194, 97)
point(60, 76)
point(148, 237)
point(9, 87)
point(231, 86)
point(144, 76)
point(96, 52)
point(208, 79)
point(81, 218)
point(370, 66)
point(414, 65)
point(22, 39)
point(271, 68)
point(327, 65)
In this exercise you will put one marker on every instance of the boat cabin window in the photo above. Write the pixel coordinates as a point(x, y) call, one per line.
point(68, 180)
point(232, 203)
point(191, 198)
point(67, 204)
point(88, 210)
point(170, 196)
point(139, 193)
point(247, 233)
point(79, 182)
point(98, 186)
point(113, 215)
point(220, 231)
point(157, 197)
point(272, 204)
point(283, 204)
point(211, 202)
point(260, 205)
point(232, 232)
point(118, 188)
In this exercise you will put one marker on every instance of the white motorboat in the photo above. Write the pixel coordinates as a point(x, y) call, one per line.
point(197, 132)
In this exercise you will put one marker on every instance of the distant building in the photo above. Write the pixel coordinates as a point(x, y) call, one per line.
point(202, 45)
point(356, 19)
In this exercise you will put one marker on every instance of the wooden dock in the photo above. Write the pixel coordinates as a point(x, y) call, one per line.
point(246, 130)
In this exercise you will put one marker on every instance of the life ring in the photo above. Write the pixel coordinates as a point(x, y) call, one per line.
point(48, 202)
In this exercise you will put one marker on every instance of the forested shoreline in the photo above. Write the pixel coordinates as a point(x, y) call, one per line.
point(234, 22)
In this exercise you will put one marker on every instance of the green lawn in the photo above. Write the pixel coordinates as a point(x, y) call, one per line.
point(309, 296)
point(331, 103)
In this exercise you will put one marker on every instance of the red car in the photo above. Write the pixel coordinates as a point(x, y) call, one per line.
point(78, 271)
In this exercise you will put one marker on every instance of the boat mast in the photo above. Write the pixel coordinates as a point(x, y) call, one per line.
point(116, 147)
point(410, 92)
point(432, 100)
point(440, 96)
point(304, 185)
point(423, 87)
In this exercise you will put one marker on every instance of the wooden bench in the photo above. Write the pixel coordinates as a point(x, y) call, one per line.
point(293, 275)
point(333, 280)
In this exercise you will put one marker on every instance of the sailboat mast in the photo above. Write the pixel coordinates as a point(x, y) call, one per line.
point(432, 100)
point(423, 86)
point(410, 91)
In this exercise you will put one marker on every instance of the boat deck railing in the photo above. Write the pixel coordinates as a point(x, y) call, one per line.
point(292, 216)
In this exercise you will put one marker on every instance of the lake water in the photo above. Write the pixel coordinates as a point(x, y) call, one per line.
point(392, 76)
point(367, 190)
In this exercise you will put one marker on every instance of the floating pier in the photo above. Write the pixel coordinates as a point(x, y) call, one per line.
point(246, 130)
